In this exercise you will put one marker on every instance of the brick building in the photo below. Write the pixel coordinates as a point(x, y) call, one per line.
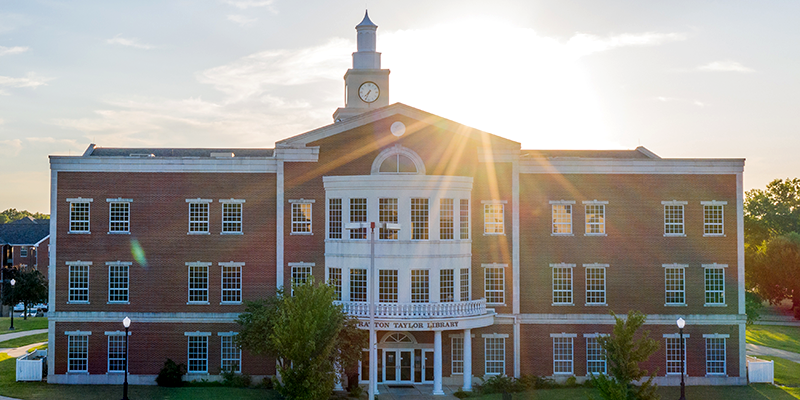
point(488, 259)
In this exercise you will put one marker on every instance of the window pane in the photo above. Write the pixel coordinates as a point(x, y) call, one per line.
point(595, 218)
point(419, 219)
point(446, 286)
point(562, 285)
point(562, 355)
point(358, 284)
point(387, 213)
point(388, 286)
point(562, 218)
point(119, 217)
point(334, 218)
point(673, 219)
point(358, 213)
point(494, 285)
point(493, 218)
point(419, 286)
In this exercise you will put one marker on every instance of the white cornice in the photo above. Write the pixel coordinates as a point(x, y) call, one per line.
point(619, 166)
point(128, 164)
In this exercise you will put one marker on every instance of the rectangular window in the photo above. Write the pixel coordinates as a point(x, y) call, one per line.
point(494, 284)
point(419, 286)
point(79, 283)
point(713, 221)
point(301, 217)
point(79, 215)
point(116, 353)
point(595, 357)
point(674, 285)
point(464, 219)
point(232, 216)
point(198, 217)
point(446, 286)
point(673, 218)
point(198, 284)
point(231, 283)
point(595, 284)
point(119, 216)
point(562, 355)
point(595, 218)
point(335, 280)
point(77, 353)
point(674, 355)
point(495, 355)
point(358, 214)
point(493, 222)
point(231, 355)
point(715, 284)
point(715, 356)
point(118, 282)
point(464, 281)
point(198, 354)
point(358, 284)
point(300, 275)
point(562, 217)
point(562, 284)
point(419, 219)
point(334, 218)
point(23, 251)
point(387, 292)
point(446, 222)
point(387, 213)
point(457, 355)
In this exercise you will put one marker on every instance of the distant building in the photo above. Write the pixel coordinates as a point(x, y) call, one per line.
point(24, 244)
point(506, 261)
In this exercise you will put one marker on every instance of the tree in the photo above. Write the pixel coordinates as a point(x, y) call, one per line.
point(775, 270)
point(30, 288)
point(303, 331)
point(12, 215)
point(623, 354)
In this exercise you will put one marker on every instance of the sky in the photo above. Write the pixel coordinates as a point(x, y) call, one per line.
point(685, 79)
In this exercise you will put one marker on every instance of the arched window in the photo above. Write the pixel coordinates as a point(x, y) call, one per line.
point(399, 337)
point(398, 160)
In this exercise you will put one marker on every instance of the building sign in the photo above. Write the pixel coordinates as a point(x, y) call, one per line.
point(411, 325)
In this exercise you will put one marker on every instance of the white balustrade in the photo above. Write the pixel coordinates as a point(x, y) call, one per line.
point(417, 310)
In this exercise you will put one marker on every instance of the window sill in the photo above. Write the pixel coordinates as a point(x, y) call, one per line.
point(675, 305)
point(198, 233)
point(79, 233)
point(118, 302)
point(497, 304)
point(301, 234)
point(720, 375)
point(494, 234)
point(78, 302)
point(596, 304)
point(231, 233)
point(714, 235)
point(77, 372)
point(715, 305)
point(230, 303)
point(119, 233)
point(115, 372)
point(595, 234)
point(674, 235)
point(196, 303)
point(562, 234)
point(563, 373)
point(562, 304)
point(197, 373)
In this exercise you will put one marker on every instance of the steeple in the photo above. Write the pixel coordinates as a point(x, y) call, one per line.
point(366, 85)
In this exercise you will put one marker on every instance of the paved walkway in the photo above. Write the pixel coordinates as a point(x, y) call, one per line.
point(756, 350)
point(415, 392)
point(14, 334)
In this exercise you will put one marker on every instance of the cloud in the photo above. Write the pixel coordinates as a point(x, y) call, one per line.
point(10, 147)
point(242, 20)
point(133, 42)
point(585, 44)
point(725, 66)
point(30, 80)
point(245, 4)
point(4, 51)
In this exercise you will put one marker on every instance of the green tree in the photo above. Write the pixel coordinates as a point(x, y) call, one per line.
point(30, 288)
point(624, 352)
point(12, 215)
point(303, 332)
point(775, 270)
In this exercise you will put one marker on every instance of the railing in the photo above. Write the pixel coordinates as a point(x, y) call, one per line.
point(417, 310)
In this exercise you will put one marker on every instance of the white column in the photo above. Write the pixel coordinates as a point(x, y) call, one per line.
point(467, 360)
point(437, 363)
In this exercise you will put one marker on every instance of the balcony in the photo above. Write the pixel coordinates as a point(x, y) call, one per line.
point(397, 311)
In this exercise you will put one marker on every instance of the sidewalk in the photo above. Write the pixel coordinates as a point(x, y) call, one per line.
point(413, 392)
point(14, 335)
point(756, 350)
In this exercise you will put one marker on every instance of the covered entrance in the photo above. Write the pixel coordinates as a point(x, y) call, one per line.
point(401, 359)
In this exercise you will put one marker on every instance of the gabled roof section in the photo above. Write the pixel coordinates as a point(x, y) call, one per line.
point(369, 117)
point(28, 232)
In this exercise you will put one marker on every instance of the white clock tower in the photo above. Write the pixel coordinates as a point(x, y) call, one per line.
point(366, 85)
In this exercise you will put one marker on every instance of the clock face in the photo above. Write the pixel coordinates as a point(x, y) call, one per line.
point(369, 92)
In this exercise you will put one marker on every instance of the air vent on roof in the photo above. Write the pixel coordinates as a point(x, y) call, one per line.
point(142, 155)
point(222, 155)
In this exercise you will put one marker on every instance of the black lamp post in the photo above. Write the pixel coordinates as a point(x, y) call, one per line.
point(127, 324)
point(13, 282)
point(681, 324)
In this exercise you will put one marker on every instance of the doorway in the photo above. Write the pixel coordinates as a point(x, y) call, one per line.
point(398, 365)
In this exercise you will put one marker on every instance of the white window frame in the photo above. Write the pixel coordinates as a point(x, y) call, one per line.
point(563, 339)
point(23, 251)
point(671, 225)
point(463, 219)
point(712, 363)
point(494, 220)
point(668, 291)
point(718, 268)
point(561, 227)
point(491, 292)
point(589, 292)
point(125, 268)
point(73, 338)
point(420, 218)
point(457, 354)
point(198, 291)
point(122, 218)
point(231, 282)
point(334, 276)
point(357, 286)
point(237, 360)
point(561, 293)
point(301, 272)
point(202, 338)
point(302, 223)
point(420, 286)
point(447, 219)
point(388, 212)
point(708, 223)
point(465, 288)
point(77, 290)
point(116, 336)
point(201, 218)
point(589, 224)
point(355, 215)
point(494, 344)
point(447, 285)
point(595, 353)
point(232, 219)
point(388, 287)
point(335, 214)
point(75, 223)
point(672, 351)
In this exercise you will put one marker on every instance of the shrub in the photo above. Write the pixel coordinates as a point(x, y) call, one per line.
point(356, 391)
point(571, 382)
point(461, 394)
point(172, 374)
point(233, 379)
point(500, 384)
point(530, 382)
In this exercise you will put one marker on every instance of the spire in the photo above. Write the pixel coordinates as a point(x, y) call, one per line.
point(366, 38)
point(366, 22)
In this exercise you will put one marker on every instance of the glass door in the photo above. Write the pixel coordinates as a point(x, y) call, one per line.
point(427, 365)
point(398, 365)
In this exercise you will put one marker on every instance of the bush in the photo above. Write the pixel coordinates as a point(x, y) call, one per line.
point(500, 384)
point(356, 391)
point(461, 394)
point(266, 383)
point(571, 382)
point(530, 382)
point(233, 379)
point(172, 374)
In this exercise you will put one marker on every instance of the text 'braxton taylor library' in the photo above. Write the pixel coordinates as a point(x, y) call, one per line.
point(488, 259)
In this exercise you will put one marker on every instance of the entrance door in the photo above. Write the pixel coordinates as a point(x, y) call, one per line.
point(398, 365)
point(427, 365)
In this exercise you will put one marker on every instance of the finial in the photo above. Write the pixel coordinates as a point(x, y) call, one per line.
point(366, 22)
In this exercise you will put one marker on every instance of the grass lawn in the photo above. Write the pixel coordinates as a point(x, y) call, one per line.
point(775, 336)
point(22, 325)
point(751, 392)
point(787, 373)
point(23, 341)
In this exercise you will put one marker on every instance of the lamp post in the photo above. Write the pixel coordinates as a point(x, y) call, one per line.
point(681, 323)
point(13, 282)
point(127, 324)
